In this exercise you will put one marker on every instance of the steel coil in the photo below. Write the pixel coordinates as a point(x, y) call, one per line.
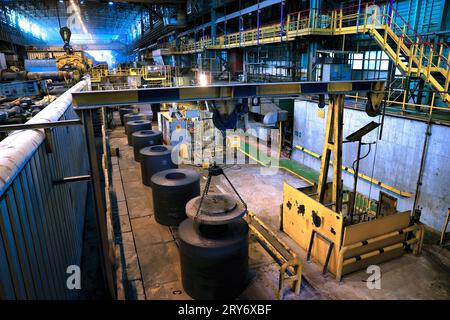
point(136, 125)
point(171, 190)
point(134, 116)
point(123, 111)
point(145, 138)
point(155, 159)
point(214, 263)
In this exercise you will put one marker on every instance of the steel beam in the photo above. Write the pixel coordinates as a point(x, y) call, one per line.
point(42, 125)
point(99, 202)
point(109, 98)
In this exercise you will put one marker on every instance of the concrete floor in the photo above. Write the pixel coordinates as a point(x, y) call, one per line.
point(148, 252)
point(148, 256)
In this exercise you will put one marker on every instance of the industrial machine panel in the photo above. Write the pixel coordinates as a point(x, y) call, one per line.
point(302, 214)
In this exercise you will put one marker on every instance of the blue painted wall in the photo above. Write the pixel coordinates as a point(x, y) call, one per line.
point(423, 15)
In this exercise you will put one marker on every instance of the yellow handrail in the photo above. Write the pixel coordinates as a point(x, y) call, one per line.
point(337, 22)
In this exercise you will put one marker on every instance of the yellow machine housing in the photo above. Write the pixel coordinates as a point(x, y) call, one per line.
point(315, 217)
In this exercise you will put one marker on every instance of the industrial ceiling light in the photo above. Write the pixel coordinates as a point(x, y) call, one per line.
point(110, 3)
point(78, 15)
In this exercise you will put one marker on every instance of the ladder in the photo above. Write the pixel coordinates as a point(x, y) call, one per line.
point(410, 54)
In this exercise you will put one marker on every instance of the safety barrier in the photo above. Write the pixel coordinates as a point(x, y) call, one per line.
point(290, 265)
point(41, 219)
point(417, 231)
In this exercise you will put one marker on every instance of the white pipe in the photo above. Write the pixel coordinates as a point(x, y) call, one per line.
point(18, 148)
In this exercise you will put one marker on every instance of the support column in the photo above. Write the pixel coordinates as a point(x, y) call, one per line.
point(98, 201)
point(332, 145)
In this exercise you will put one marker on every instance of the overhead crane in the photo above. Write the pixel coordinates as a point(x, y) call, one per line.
point(316, 217)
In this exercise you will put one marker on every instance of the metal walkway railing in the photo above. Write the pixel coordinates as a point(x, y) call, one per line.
point(41, 220)
point(410, 53)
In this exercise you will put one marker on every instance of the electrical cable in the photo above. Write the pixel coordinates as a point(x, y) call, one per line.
point(57, 13)
point(359, 159)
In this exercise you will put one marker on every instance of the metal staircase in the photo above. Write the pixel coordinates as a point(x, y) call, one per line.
point(410, 54)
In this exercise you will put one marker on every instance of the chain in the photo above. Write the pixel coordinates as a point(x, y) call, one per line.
point(235, 191)
point(207, 186)
point(205, 192)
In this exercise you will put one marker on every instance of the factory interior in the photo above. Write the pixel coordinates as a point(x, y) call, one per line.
point(238, 150)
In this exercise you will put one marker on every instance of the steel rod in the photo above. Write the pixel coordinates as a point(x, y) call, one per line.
point(42, 125)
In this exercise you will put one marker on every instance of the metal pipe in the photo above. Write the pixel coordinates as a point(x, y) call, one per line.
point(24, 75)
point(72, 179)
point(19, 146)
point(422, 164)
point(355, 182)
point(43, 125)
point(379, 251)
point(54, 75)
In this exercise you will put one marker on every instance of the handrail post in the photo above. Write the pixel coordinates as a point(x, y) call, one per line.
point(412, 53)
point(447, 80)
point(397, 53)
point(374, 18)
point(288, 24)
point(430, 61)
point(439, 56)
point(420, 58)
point(405, 92)
point(432, 103)
point(385, 34)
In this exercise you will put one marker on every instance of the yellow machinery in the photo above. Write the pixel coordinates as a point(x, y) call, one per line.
point(152, 76)
point(70, 61)
point(73, 63)
point(97, 72)
point(317, 217)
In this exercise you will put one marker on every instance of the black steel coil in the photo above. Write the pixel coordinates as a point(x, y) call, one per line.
point(155, 159)
point(136, 125)
point(134, 116)
point(145, 138)
point(171, 190)
point(123, 111)
point(214, 264)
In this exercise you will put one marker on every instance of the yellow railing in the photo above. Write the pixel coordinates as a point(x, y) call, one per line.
point(419, 58)
point(97, 74)
point(411, 55)
point(160, 76)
